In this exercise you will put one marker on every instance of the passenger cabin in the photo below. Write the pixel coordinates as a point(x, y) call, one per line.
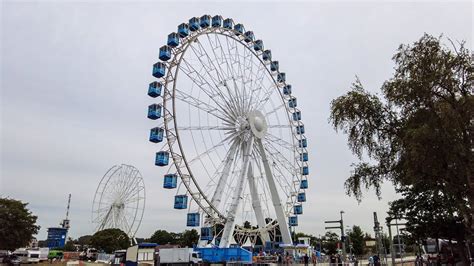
point(302, 143)
point(239, 28)
point(193, 219)
point(216, 21)
point(292, 102)
point(305, 170)
point(281, 77)
point(170, 181)
point(298, 209)
point(267, 55)
point(154, 89)
point(249, 36)
point(274, 66)
point(194, 24)
point(297, 116)
point(293, 221)
point(165, 53)
point(206, 233)
point(180, 202)
point(183, 30)
point(301, 197)
point(162, 158)
point(159, 70)
point(173, 39)
point(228, 23)
point(156, 134)
point(287, 90)
point(304, 184)
point(205, 21)
point(258, 45)
point(300, 129)
point(154, 111)
point(304, 157)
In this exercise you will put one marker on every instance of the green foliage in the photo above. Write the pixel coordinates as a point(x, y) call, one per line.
point(69, 246)
point(356, 237)
point(162, 237)
point(418, 135)
point(17, 224)
point(110, 240)
point(189, 238)
point(329, 242)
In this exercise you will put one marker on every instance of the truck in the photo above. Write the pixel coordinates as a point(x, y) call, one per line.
point(174, 256)
point(27, 256)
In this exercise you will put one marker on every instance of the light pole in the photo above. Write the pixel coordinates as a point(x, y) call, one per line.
point(343, 238)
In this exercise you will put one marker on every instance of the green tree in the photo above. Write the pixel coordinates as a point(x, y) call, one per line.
point(418, 135)
point(69, 246)
point(162, 237)
point(357, 240)
point(110, 240)
point(189, 238)
point(329, 242)
point(17, 224)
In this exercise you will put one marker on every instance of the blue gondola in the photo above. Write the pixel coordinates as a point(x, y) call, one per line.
point(154, 111)
point(159, 70)
point(292, 102)
point(304, 184)
point(156, 134)
point(239, 28)
point(305, 170)
point(181, 202)
point(228, 23)
point(162, 158)
point(298, 209)
point(302, 143)
point(267, 55)
point(287, 90)
point(170, 181)
point(300, 129)
point(205, 21)
point(193, 219)
point(194, 24)
point(304, 157)
point(206, 233)
point(165, 53)
point(173, 39)
point(301, 197)
point(293, 221)
point(154, 89)
point(183, 30)
point(281, 77)
point(216, 21)
point(297, 116)
point(249, 36)
point(274, 66)
point(258, 46)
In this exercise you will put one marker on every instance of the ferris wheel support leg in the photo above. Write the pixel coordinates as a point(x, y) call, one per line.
point(280, 214)
point(257, 207)
point(230, 223)
point(217, 197)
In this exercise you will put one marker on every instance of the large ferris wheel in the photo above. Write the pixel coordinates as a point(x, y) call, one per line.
point(233, 137)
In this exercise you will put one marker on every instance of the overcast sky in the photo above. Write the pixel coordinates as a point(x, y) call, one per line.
point(73, 93)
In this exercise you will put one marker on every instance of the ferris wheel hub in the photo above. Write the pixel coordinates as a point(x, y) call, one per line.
point(258, 124)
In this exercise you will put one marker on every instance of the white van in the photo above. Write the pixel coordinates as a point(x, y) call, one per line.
point(27, 256)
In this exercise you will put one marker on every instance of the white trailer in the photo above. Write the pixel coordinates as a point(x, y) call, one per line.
point(179, 256)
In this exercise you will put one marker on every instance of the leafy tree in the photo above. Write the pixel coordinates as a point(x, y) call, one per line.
point(162, 237)
point(357, 240)
point(329, 242)
point(189, 238)
point(17, 224)
point(69, 246)
point(418, 136)
point(110, 240)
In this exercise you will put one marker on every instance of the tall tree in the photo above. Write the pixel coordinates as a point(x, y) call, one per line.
point(17, 224)
point(110, 240)
point(356, 237)
point(189, 238)
point(162, 237)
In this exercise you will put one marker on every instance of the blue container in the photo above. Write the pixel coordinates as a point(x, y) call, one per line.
point(239, 28)
point(281, 77)
point(154, 89)
point(225, 255)
point(228, 23)
point(292, 102)
point(173, 39)
point(298, 209)
point(194, 24)
point(154, 111)
point(258, 45)
point(181, 202)
point(249, 36)
point(304, 184)
point(300, 129)
point(287, 90)
point(274, 66)
point(301, 197)
point(297, 116)
point(216, 21)
point(193, 219)
point(165, 53)
point(205, 21)
point(293, 220)
point(302, 143)
point(305, 170)
point(206, 233)
point(304, 157)
point(183, 30)
point(159, 70)
point(170, 181)
point(162, 158)
point(156, 134)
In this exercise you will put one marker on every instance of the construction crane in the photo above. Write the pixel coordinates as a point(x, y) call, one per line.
point(65, 223)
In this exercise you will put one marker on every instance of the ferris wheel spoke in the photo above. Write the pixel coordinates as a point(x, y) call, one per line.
point(272, 138)
point(215, 111)
point(278, 155)
point(209, 150)
point(206, 128)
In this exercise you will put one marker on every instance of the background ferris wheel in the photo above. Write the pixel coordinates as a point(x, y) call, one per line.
point(233, 131)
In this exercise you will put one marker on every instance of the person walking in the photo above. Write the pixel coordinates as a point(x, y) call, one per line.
point(306, 259)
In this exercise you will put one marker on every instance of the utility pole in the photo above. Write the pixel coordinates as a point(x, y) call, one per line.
point(341, 227)
point(378, 237)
